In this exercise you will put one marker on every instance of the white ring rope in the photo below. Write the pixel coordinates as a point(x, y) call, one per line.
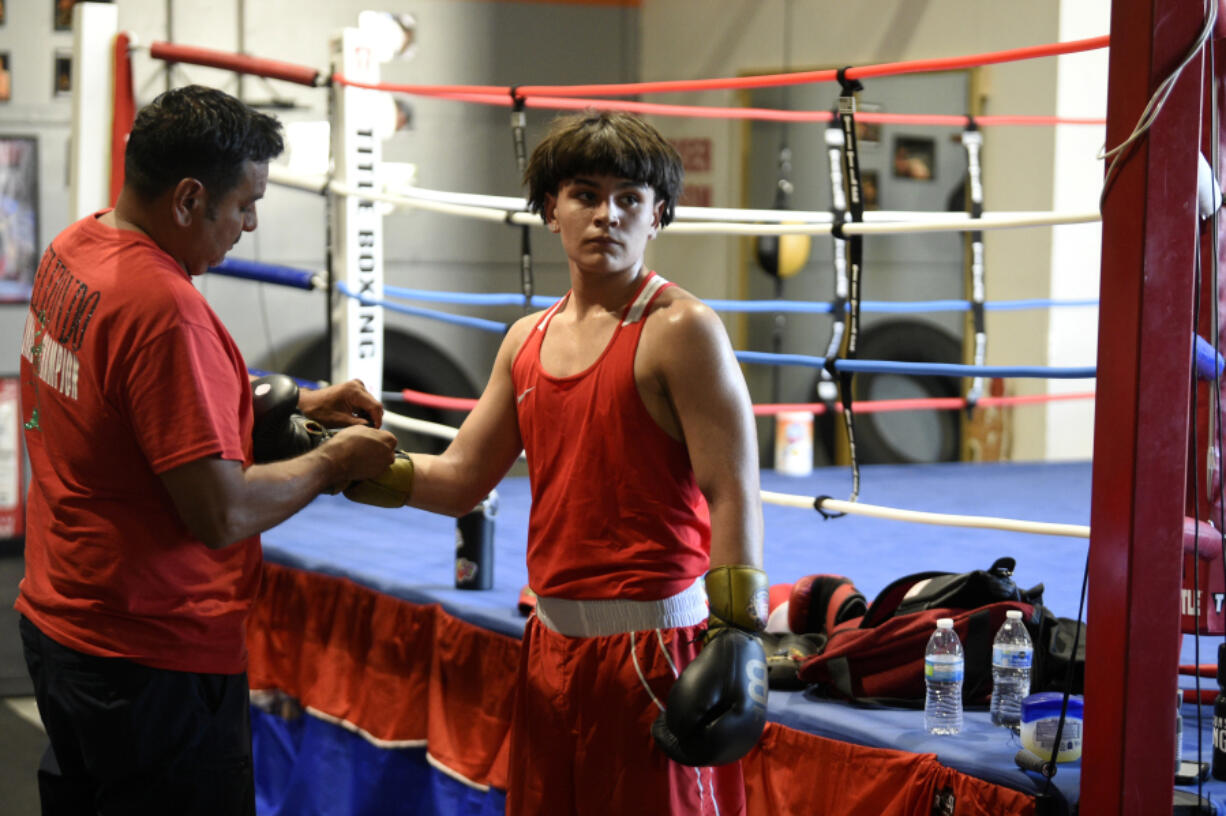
point(695, 220)
point(834, 505)
point(420, 426)
point(919, 517)
point(989, 221)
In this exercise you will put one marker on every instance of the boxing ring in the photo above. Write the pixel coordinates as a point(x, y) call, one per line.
point(378, 687)
point(380, 640)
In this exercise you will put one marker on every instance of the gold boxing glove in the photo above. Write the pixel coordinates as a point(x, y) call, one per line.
point(392, 488)
point(739, 596)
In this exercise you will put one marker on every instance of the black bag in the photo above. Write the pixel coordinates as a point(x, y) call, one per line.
point(880, 657)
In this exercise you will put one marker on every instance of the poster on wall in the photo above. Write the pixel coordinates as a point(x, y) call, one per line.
point(12, 462)
point(6, 79)
point(18, 216)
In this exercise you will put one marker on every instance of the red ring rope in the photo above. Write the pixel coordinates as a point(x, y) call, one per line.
point(241, 63)
point(768, 80)
point(877, 406)
point(803, 77)
point(566, 96)
point(707, 112)
point(919, 404)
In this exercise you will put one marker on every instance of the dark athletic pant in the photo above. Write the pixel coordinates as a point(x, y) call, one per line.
point(129, 739)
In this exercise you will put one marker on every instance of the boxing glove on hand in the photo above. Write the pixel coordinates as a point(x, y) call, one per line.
point(279, 431)
point(717, 708)
point(392, 488)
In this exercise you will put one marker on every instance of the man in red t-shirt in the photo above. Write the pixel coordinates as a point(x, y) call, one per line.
point(145, 507)
point(638, 430)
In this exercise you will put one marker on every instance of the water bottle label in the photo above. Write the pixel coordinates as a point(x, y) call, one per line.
point(1012, 658)
point(943, 672)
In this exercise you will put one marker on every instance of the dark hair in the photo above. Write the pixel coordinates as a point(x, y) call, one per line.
point(197, 132)
point(604, 142)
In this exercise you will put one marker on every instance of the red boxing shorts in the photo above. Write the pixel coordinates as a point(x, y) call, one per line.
point(581, 729)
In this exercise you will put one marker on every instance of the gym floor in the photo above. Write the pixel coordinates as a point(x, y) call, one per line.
point(22, 740)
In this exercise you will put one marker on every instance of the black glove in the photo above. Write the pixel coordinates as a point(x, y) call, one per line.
point(717, 708)
point(280, 431)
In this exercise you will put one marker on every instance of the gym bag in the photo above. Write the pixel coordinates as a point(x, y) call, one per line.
point(879, 657)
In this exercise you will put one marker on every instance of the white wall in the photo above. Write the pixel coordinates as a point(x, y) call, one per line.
point(682, 39)
point(1076, 250)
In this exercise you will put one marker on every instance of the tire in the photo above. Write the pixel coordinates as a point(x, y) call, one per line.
point(408, 362)
point(907, 437)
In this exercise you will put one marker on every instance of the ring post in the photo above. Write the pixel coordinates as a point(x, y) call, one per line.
point(356, 251)
point(1141, 415)
point(94, 28)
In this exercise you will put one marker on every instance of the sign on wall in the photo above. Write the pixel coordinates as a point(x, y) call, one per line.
point(12, 462)
point(19, 247)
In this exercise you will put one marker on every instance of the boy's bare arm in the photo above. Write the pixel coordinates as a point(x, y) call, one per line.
point(707, 391)
point(486, 446)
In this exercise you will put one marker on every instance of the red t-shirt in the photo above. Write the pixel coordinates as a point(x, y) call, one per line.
point(126, 373)
point(616, 509)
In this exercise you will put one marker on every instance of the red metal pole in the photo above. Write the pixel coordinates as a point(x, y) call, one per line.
point(1142, 415)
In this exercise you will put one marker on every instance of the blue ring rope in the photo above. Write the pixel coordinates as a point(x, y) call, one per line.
point(929, 369)
point(267, 273)
point(766, 358)
point(751, 306)
point(433, 314)
point(468, 298)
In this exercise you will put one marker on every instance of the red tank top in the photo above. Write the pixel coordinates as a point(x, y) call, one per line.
point(616, 510)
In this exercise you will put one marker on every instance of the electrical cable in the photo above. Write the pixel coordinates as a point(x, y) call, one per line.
point(1157, 100)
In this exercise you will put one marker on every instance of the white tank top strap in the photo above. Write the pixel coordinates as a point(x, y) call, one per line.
point(635, 313)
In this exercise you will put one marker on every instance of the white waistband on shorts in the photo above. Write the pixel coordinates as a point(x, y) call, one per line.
point(612, 617)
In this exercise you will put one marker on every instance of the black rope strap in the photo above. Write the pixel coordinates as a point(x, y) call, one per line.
point(827, 389)
point(825, 514)
point(855, 209)
point(519, 121)
point(972, 141)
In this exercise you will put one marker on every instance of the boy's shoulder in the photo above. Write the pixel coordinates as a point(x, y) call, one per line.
point(674, 301)
point(678, 318)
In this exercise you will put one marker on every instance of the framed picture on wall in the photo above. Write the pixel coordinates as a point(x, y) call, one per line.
point(2, 12)
point(914, 158)
point(19, 248)
point(63, 73)
point(868, 134)
point(869, 189)
point(6, 78)
point(61, 11)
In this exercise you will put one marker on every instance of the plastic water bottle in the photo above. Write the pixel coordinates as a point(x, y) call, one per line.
point(1219, 717)
point(1178, 729)
point(474, 545)
point(1012, 656)
point(943, 669)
